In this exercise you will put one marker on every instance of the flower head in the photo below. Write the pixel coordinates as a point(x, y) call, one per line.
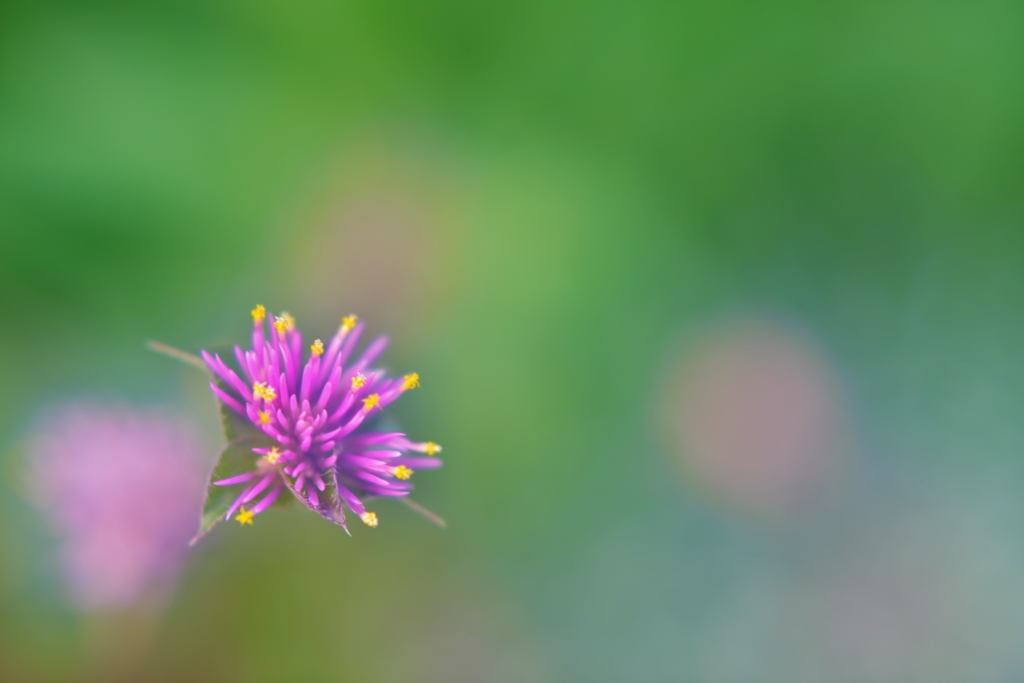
point(121, 488)
point(315, 412)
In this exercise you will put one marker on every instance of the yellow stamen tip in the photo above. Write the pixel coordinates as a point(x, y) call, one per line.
point(264, 417)
point(259, 313)
point(244, 517)
point(272, 456)
point(281, 324)
point(369, 518)
point(370, 402)
point(358, 381)
point(317, 348)
point(402, 472)
point(432, 448)
point(263, 391)
point(411, 382)
point(348, 322)
point(288, 320)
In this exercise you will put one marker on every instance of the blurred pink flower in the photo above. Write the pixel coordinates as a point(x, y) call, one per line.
point(121, 487)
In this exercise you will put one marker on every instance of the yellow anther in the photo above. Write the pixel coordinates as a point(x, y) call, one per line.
point(358, 381)
point(244, 517)
point(411, 382)
point(370, 402)
point(281, 324)
point(348, 322)
point(369, 518)
point(432, 448)
point(264, 417)
point(263, 391)
point(259, 313)
point(288, 319)
point(317, 348)
point(402, 472)
point(272, 456)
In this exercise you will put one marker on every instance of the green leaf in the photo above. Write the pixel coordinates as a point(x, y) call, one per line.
point(234, 425)
point(329, 504)
point(284, 501)
point(237, 457)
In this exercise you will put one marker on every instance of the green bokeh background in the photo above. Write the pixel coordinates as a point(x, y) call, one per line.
point(585, 186)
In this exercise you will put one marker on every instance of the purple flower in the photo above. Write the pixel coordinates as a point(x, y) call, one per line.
point(315, 416)
point(121, 487)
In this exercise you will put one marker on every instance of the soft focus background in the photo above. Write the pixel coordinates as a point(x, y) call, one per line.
point(718, 309)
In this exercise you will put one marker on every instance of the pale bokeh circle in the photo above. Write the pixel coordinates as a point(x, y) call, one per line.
point(753, 412)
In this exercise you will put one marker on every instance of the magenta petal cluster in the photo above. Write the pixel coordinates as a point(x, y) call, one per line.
point(121, 487)
point(316, 412)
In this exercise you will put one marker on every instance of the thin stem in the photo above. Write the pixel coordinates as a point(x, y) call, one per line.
point(177, 354)
point(413, 505)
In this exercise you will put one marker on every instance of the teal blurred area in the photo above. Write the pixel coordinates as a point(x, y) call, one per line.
point(718, 310)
